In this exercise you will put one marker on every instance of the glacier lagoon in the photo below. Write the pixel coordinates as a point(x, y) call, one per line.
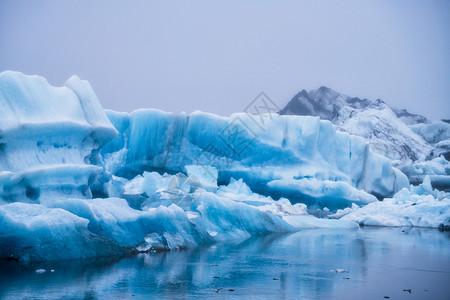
point(367, 263)
point(77, 181)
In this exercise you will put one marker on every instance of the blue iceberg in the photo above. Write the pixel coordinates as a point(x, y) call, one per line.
point(79, 181)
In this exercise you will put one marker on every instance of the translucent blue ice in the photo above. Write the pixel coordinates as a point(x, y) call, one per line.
point(78, 182)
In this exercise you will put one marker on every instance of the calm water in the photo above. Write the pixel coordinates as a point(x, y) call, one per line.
point(378, 262)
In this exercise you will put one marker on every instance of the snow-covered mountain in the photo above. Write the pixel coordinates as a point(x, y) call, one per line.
point(325, 103)
point(386, 133)
point(409, 118)
point(386, 129)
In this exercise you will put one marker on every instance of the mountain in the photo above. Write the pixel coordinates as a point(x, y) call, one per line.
point(325, 103)
point(385, 128)
point(409, 118)
point(384, 131)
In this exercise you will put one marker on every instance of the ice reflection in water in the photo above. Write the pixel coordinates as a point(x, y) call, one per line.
point(378, 262)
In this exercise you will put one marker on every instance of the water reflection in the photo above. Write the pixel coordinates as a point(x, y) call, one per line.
point(378, 262)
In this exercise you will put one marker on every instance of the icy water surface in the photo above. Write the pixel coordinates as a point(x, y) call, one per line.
point(375, 263)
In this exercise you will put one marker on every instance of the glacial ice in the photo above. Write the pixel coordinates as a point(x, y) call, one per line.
point(437, 169)
point(325, 193)
point(386, 133)
point(202, 176)
point(48, 137)
point(78, 182)
point(383, 127)
point(433, 132)
point(286, 148)
point(419, 206)
point(35, 232)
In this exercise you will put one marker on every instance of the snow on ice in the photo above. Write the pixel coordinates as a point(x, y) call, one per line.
point(76, 181)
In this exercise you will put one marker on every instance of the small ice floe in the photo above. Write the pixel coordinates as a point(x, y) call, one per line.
point(40, 271)
point(338, 271)
point(52, 270)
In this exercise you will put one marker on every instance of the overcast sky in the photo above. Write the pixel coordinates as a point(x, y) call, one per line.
point(216, 56)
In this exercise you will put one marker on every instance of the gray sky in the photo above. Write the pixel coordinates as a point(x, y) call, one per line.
point(216, 56)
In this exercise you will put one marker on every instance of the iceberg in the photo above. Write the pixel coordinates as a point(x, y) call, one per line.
point(35, 232)
point(384, 128)
point(437, 170)
point(49, 137)
point(420, 206)
point(286, 148)
point(325, 193)
point(78, 181)
point(433, 132)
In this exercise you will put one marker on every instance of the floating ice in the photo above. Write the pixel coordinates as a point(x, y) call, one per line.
point(202, 176)
point(48, 137)
point(325, 193)
point(421, 206)
point(58, 150)
point(286, 148)
point(433, 132)
point(35, 232)
point(437, 169)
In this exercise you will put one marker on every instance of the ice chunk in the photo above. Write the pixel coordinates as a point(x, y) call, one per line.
point(76, 227)
point(49, 136)
point(433, 132)
point(239, 191)
point(404, 209)
point(287, 147)
point(438, 170)
point(115, 187)
point(233, 219)
point(310, 222)
point(342, 212)
point(112, 218)
point(236, 187)
point(202, 176)
point(35, 232)
point(174, 189)
point(324, 193)
point(442, 148)
point(283, 207)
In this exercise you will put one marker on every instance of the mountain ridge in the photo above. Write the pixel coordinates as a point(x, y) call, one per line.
point(323, 95)
point(386, 129)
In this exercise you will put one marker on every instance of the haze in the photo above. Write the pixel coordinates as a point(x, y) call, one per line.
point(216, 56)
